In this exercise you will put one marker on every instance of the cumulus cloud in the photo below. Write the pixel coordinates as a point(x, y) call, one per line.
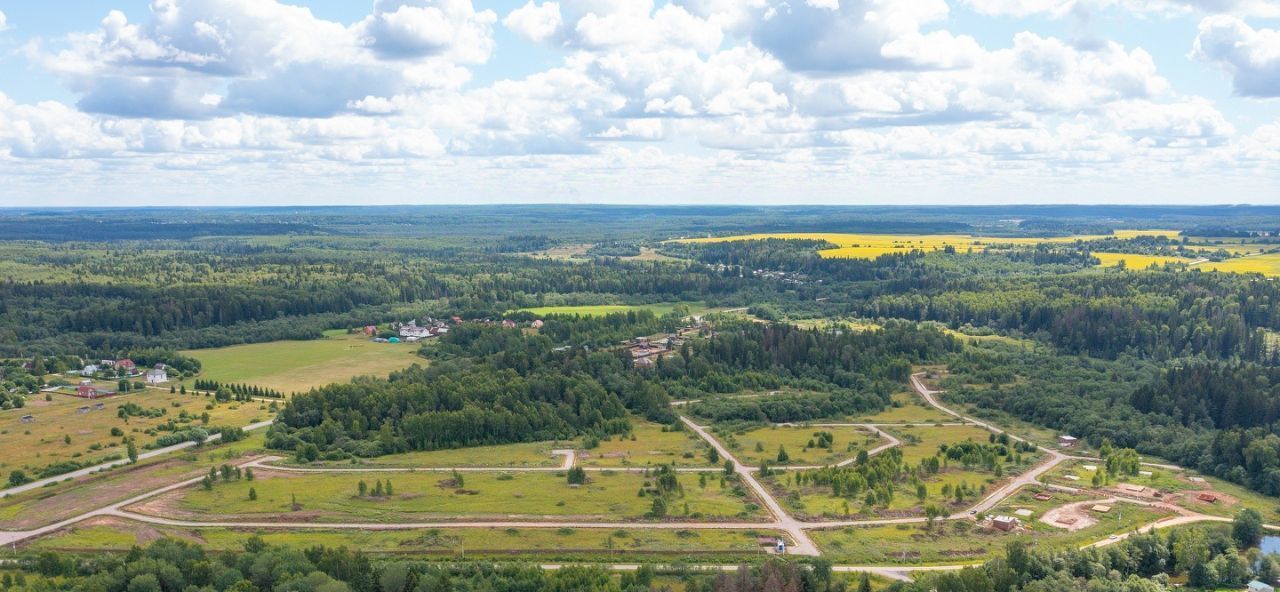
point(196, 59)
point(1060, 8)
point(1251, 56)
point(860, 35)
point(534, 22)
point(4, 21)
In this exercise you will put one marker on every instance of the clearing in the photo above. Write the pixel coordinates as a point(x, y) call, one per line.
point(424, 496)
point(299, 366)
point(44, 441)
point(761, 445)
point(648, 444)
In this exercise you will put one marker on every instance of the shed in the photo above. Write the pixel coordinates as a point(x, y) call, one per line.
point(1065, 441)
point(1005, 523)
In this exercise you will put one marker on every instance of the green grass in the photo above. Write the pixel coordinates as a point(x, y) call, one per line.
point(528, 454)
point(44, 441)
point(848, 441)
point(920, 442)
point(962, 541)
point(547, 543)
point(298, 366)
point(908, 408)
point(590, 310)
point(46, 505)
point(425, 496)
point(648, 444)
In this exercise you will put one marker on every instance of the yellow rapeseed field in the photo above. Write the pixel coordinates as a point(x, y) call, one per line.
point(1132, 261)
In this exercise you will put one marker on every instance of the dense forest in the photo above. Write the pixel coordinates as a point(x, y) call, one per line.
point(490, 385)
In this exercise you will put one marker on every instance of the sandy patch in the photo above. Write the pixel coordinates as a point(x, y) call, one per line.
point(1071, 517)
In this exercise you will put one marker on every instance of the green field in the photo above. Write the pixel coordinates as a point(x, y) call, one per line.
point(907, 408)
point(963, 541)
point(110, 534)
point(424, 496)
point(761, 445)
point(527, 454)
point(648, 444)
point(44, 441)
point(590, 310)
point(46, 505)
point(920, 442)
point(298, 366)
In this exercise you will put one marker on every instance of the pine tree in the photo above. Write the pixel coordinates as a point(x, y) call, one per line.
point(253, 494)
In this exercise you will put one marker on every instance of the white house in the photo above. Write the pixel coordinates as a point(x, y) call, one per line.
point(89, 370)
point(157, 376)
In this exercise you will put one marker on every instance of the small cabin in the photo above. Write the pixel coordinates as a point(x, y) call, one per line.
point(1065, 441)
point(1005, 523)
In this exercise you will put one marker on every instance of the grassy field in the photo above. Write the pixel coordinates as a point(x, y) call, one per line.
point(962, 541)
point(44, 441)
point(110, 534)
point(527, 454)
point(908, 408)
point(46, 505)
point(420, 496)
point(815, 503)
point(1132, 261)
point(920, 442)
point(648, 444)
point(591, 310)
point(761, 445)
point(1177, 487)
point(298, 366)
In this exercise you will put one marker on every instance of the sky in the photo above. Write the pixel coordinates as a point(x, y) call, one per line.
point(279, 102)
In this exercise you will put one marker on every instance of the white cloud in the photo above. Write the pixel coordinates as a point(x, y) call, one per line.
point(1168, 8)
point(4, 21)
point(536, 23)
point(1251, 56)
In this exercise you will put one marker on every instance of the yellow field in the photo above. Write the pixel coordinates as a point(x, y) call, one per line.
point(870, 246)
point(1126, 234)
point(1267, 264)
point(1132, 261)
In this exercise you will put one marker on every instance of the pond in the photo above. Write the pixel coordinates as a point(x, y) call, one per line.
point(1270, 544)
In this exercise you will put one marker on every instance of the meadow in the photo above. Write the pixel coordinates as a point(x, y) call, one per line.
point(419, 496)
point(907, 408)
point(68, 429)
point(298, 366)
point(113, 534)
point(961, 541)
point(648, 444)
point(522, 455)
point(920, 442)
point(68, 498)
point(762, 445)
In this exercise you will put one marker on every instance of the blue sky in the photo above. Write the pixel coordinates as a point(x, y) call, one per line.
point(222, 102)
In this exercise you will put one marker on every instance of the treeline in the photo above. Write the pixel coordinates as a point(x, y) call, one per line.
point(175, 565)
point(1215, 417)
point(241, 392)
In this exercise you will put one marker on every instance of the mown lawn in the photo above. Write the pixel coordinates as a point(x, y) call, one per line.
point(298, 366)
point(422, 496)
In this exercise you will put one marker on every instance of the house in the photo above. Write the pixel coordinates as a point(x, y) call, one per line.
point(537, 324)
point(127, 366)
point(1005, 523)
point(89, 370)
point(1065, 441)
point(107, 363)
point(157, 376)
point(411, 329)
point(1256, 586)
point(1207, 497)
point(88, 391)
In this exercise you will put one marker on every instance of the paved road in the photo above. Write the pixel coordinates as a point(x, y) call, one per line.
point(116, 463)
